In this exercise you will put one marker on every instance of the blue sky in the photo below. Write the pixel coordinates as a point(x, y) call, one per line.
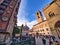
point(28, 9)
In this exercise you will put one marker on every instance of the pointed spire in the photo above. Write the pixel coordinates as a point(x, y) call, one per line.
point(22, 25)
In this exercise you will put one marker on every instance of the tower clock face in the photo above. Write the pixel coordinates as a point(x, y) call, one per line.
point(4, 18)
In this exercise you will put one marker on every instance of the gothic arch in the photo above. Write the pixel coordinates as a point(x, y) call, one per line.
point(57, 24)
point(57, 27)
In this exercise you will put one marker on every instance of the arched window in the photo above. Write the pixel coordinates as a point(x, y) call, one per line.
point(57, 27)
point(57, 24)
point(38, 15)
point(51, 14)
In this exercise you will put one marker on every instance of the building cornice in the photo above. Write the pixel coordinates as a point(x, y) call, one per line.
point(48, 5)
point(39, 23)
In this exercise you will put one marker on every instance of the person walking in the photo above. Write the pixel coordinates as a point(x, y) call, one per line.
point(53, 38)
point(57, 43)
point(50, 41)
point(44, 41)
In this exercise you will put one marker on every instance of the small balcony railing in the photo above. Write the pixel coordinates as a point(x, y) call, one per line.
point(4, 5)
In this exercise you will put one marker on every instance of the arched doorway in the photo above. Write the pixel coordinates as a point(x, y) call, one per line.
point(57, 27)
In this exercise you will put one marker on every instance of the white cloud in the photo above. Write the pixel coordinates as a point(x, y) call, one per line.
point(30, 24)
point(25, 21)
point(22, 9)
point(22, 15)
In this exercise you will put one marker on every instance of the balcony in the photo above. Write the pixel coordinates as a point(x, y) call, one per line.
point(4, 5)
point(7, 1)
point(1, 12)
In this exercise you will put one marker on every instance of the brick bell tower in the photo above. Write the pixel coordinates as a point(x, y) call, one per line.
point(8, 18)
point(39, 17)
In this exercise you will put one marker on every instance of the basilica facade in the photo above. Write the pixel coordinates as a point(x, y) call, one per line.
point(50, 26)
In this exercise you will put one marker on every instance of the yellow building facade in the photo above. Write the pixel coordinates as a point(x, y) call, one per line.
point(50, 26)
point(52, 13)
point(42, 27)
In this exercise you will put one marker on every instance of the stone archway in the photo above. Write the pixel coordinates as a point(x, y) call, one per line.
point(57, 24)
point(57, 27)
